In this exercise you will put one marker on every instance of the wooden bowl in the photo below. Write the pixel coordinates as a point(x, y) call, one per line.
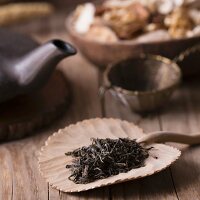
point(143, 83)
point(101, 54)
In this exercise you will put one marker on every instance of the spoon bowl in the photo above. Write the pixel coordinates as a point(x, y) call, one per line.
point(52, 159)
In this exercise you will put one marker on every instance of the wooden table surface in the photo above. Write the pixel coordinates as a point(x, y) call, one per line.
point(19, 175)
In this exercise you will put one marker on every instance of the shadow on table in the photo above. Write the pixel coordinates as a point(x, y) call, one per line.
point(159, 185)
point(186, 97)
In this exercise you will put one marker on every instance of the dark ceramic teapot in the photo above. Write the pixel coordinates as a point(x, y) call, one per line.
point(26, 66)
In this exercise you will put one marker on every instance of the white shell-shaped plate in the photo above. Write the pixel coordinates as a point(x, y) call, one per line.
point(52, 159)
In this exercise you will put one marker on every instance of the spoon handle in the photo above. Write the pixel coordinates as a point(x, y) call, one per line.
point(165, 136)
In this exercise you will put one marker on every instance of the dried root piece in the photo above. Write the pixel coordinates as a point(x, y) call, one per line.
point(113, 4)
point(115, 20)
point(194, 32)
point(101, 9)
point(127, 21)
point(157, 35)
point(84, 17)
point(167, 6)
point(195, 16)
point(17, 12)
point(179, 22)
point(102, 33)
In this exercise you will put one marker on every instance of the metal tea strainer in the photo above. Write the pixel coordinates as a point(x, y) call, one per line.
point(145, 82)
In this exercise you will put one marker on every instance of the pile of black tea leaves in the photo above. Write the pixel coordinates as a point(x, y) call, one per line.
point(105, 158)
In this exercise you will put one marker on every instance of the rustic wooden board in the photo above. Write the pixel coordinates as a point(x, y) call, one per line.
point(185, 117)
point(19, 175)
point(19, 159)
point(159, 186)
point(24, 114)
point(85, 104)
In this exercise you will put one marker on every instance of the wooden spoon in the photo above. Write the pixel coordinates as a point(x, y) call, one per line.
point(165, 136)
point(52, 159)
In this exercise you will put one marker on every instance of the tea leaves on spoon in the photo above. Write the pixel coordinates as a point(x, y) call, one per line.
point(105, 158)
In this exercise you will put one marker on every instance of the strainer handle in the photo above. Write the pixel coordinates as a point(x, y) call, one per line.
point(186, 53)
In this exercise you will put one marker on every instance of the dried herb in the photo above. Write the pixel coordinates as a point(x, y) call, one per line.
point(105, 158)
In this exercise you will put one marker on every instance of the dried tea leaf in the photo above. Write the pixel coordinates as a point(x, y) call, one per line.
point(105, 158)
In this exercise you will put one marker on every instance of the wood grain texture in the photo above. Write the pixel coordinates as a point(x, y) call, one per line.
point(159, 186)
point(19, 177)
point(26, 113)
point(85, 104)
point(184, 117)
point(23, 180)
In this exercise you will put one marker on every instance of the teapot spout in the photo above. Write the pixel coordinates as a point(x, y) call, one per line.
point(65, 48)
point(34, 69)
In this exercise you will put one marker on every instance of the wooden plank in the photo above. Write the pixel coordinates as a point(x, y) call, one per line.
point(183, 116)
point(19, 169)
point(6, 173)
point(159, 186)
point(20, 177)
point(84, 81)
point(97, 194)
